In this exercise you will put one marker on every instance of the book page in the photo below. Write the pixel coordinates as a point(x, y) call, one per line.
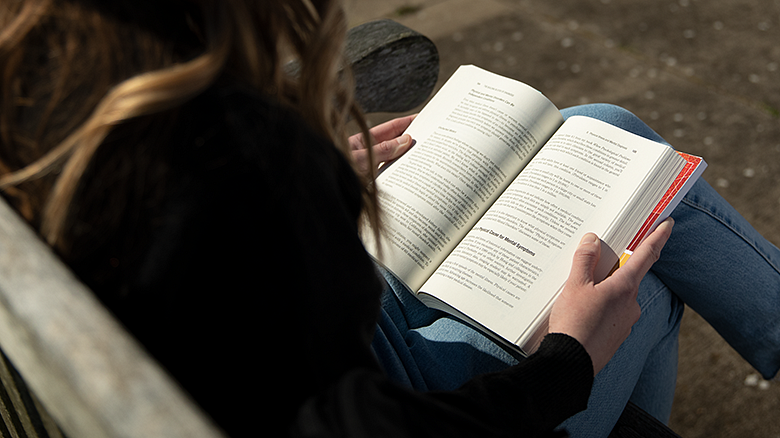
point(472, 140)
point(508, 269)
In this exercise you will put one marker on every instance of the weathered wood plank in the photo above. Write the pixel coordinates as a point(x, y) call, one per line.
point(395, 68)
point(92, 377)
point(22, 414)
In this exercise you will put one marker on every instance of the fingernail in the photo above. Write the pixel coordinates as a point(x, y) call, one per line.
point(668, 222)
point(404, 140)
point(589, 239)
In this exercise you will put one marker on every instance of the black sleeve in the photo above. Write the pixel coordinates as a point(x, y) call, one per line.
point(527, 400)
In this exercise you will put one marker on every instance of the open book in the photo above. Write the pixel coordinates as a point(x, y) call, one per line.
point(484, 213)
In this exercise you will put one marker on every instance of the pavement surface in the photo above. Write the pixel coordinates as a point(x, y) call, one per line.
point(705, 74)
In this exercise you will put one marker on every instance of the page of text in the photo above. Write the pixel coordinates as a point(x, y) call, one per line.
point(472, 139)
point(517, 257)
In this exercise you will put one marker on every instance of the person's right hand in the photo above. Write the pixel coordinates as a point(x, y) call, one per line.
point(600, 316)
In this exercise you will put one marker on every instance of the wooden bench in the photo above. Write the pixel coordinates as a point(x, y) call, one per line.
point(67, 368)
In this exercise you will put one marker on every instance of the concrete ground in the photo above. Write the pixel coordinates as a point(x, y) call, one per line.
point(705, 74)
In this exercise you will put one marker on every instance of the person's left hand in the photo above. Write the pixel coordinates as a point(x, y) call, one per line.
point(390, 144)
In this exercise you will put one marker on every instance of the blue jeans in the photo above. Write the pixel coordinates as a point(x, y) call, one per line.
point(714, 261)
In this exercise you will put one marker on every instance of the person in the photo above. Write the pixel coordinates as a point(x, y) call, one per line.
point(213, 204)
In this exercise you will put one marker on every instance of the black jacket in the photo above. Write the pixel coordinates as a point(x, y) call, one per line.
point(237, 263)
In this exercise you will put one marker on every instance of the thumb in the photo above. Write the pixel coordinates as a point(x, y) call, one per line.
point(391, 149)
point(586, 257)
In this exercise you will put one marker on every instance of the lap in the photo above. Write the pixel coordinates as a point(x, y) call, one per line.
point(427, 350)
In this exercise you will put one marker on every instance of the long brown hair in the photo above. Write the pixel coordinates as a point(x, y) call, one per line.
point(72, 70)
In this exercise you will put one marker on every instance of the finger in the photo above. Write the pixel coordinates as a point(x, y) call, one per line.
point(391, 129)
point(648, 252)
point(383, 152)
point(356, 142)
point(392, 149)
point(586, 257)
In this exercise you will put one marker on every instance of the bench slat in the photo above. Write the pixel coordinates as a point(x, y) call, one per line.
point(92, 376)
